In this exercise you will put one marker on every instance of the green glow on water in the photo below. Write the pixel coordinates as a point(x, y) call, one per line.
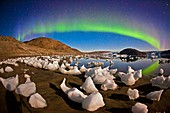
point(151, 68)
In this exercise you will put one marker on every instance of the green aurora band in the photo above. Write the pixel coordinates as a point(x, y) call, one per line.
point(91, 27)
point(151, 68)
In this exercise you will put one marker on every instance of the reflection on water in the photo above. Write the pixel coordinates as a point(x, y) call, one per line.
point(149, 67)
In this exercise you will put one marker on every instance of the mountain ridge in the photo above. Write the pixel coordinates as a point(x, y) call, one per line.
point(9, 46)
point(48, 43)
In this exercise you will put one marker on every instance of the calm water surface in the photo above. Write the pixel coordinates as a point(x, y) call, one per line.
point(149, 67)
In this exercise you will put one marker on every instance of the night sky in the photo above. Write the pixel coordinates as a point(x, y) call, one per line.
point(90, 24)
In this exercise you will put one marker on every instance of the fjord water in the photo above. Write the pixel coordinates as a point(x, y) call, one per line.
point(149, 67)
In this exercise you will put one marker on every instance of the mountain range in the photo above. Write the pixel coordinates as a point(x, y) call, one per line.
point(9, 47)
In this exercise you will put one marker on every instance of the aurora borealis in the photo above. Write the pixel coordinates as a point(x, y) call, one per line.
point(90, 25)
point(87, 27)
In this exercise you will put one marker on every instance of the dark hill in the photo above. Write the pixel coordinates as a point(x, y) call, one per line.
point(133, 52)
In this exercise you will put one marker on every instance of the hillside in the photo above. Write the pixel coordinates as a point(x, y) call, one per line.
point(133, 52)
point(8, 38)
point(9, 47)
point(48, 43)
